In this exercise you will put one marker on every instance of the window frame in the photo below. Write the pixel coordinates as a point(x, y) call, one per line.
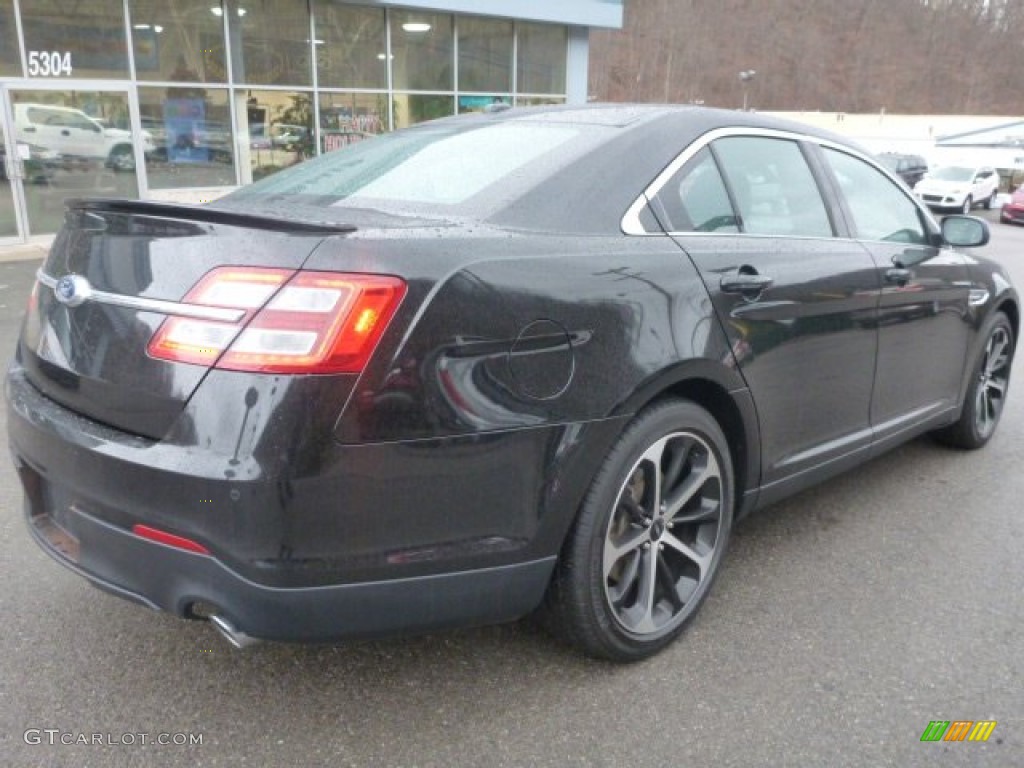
point(835, 202)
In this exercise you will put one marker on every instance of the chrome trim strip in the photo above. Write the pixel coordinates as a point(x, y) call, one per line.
point(178, 309)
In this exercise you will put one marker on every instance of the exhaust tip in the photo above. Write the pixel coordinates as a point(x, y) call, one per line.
point(237, 638)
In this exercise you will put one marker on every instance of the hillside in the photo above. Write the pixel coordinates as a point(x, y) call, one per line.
point(908, 56)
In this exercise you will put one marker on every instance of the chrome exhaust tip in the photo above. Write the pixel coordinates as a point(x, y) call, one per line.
point(237, 638)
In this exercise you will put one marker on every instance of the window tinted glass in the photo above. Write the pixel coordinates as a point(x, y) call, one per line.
point(881, 210)
point(270, 42)
point(10, 61)
point(773, 187)
point(542, 51)
point(353, 50)
point(181, 41)
point(695, 200)
point(485, 55)
point(89, 38)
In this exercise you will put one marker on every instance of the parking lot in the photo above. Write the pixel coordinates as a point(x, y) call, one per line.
point(844, 621)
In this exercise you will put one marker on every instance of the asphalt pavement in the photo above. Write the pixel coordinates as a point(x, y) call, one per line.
point(845, 621)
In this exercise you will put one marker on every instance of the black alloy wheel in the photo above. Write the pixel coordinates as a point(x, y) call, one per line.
point(650, 536)
point(986, 392)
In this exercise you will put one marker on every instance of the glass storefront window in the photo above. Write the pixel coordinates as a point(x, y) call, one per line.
point(351, 49)
point(183, 41)
point(279, 125)
point(485, 55)
point(270, 42)
point(78, 146)
point(539, 101)
point(10, 61)
point(422, 46)
point(542, 50)
point(191, 137)
point(412, 108)
point(85, 40)
point(347, 118)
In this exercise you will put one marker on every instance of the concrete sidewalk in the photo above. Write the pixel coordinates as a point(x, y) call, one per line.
point(34, 250)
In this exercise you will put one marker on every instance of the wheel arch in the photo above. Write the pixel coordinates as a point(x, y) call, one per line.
point(722, 392)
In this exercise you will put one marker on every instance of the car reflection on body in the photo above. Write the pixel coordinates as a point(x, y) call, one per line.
point(531, 359)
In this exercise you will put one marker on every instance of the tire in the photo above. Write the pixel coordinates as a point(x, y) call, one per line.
point(986, 393)
point(633, 573)
point(968, 205)
point(991, 200)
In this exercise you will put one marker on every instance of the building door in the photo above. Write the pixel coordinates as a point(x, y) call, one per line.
point(70, 142)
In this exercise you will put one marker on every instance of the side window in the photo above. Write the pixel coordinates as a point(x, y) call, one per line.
point(774, 188)
point(695, 200)
point(880, 209)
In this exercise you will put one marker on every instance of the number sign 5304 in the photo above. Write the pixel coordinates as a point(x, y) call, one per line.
point(49, 63)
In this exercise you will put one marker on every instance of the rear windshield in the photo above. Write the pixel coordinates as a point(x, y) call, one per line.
point(444, 168)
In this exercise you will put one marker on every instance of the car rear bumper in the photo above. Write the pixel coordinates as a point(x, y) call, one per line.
point(195, 585)
point(348, 550)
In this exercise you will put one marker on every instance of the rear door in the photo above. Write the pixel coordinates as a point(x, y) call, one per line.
point(798, 303)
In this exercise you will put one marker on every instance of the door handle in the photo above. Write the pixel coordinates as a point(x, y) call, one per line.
point(65, 132)
point(898, 275)
point(745, 283)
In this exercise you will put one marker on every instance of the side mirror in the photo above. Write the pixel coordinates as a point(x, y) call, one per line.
point(965, 231)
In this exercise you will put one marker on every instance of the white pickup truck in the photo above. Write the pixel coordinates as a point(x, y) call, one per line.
point(73, 133)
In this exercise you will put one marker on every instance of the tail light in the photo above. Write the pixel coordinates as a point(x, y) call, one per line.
point(294, 322)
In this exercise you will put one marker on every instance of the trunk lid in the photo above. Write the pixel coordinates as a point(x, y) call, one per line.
point(87, 349)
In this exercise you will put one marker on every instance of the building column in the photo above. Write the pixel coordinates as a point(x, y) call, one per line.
point(577, 65)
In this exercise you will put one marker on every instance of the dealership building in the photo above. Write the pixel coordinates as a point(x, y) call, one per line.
point(186, 99)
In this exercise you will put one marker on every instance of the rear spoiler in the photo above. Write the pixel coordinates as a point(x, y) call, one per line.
point(205, 213)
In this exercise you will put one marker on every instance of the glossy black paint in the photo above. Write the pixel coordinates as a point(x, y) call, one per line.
point(525, 344)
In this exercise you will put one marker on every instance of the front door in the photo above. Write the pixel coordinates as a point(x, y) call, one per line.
point(924, 313)
point(69, 142)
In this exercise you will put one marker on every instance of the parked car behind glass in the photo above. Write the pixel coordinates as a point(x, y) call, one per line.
point(910, 168)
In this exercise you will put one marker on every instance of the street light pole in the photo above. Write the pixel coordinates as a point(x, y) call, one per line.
point(745, 77)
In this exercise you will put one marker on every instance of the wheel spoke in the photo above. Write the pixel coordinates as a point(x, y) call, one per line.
point(688, 490)
point(614, 551)
point(669, 582)
point(645, 596)
point(997, 353)
point(702, 561)
point(708, 510)
point(680, 454)
point(625, 581)
point(997, 385)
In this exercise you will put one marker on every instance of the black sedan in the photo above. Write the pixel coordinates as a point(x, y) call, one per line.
point(535, 360)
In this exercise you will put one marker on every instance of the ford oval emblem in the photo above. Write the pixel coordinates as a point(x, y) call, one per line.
point(72, 290)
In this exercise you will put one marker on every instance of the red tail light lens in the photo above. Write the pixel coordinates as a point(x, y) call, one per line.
point(310, 322)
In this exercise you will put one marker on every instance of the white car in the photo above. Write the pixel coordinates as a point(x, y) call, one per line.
point(958, 186)
point(73, 133)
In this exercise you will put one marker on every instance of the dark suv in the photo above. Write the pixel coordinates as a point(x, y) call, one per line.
point(910, 168)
